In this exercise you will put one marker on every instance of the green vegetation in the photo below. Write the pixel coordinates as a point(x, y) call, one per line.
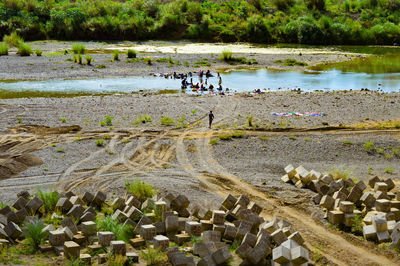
point(107, 121)
point(203, 63)
point(340, 173)
point(357, 225)
point(142, 119)
point(116, 260)
point(100, 142)
point(38, 52)
point(24, 49)
point(3, 49)
point(13, 40)
point(167, 91)
point(292, 137)
point(250, 120)
point(101, 66)
point(291, 62)
point(61, 150)
point(389, 170)
point(140, 189)
point(213, 141)
point(63, 119)
point(227, 56)
point(237, 135)
point(121, 231)
point(154, 256)
point(369, 147)
point(78, 48)
point(194, 111)
point(131, 53)
point(263, 21)
point(116, 55)
point(347, 143)
point(49, 199)
point(225, 137)
point(166, 121)
point(88, 59)
point(34, 235)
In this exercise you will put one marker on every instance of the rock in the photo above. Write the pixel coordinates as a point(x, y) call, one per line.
point(213, 236)
point(222, 255)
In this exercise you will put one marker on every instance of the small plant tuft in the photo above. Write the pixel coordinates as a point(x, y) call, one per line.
point(24, 49)
point(166, 121)
point(131, 53)
point(100, 142)
point(38, 52)
point(49, 199)
point(13, 40)
point(140, 189)
point(154, 256)
point(89, 60)
point(3, 49)
point(116, 55)
point(78, 48)
point(107, 121)
point(34, 234)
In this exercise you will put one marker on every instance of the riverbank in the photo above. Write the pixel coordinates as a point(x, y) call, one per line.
point(165, 57)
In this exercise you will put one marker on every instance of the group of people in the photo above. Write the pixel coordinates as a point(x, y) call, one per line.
point(201, 86)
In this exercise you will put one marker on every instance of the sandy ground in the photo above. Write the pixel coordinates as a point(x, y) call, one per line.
point(55, 65)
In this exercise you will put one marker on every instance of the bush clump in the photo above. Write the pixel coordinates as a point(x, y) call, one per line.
point(166, 121)
point(154, 256)
point(34, 234)
point(78, 48)
point(3, 49)
point(49, 199)
point(13, 40)
point(38, 52)
point(131, 53)
point(24, 49)
point(140, 189)
point(121, 231)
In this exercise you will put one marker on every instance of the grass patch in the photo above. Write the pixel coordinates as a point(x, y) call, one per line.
point(89, 60)
point(357, 225)
point(347, 143)
point(292, 137)
point(166, 121)
point(63, 119)
point(24, 49)
point(116, 55)
point(107, 121)
point(167, 91)
point(50, 199)
point(154, 256)
point(263, 138)
point(213, 141)
point(100, 66)
point(340, 173)
point(3, 49)
point(131, 53)
point(140, 189)
point(121, 231)
point(203, 63)
point(34, 236)
point(237, 135)
point(225, 137)
point(227, 56)
point(100, 142)
point(389, 170)
point(78, 48)
point(369, 147)
point(38, 52)
point(61, 150)
point(142, 119)
point(13, 40)
point(291, 62)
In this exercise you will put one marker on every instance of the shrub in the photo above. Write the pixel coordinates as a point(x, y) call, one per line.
point(121, 231)
point(100, 66)
point(283, 4)
point(100, 142)
point(340, 173)
point(213, 141)
point(140, 189)
point(88, 59)
point(153, 256)
point(226, 55)
point(13, 40)
point(237, 135)
point(166, 121)
point(131, 53)
point(34, 234)
point(369, 147)
point(116, 260)
point(116, 55)
point(3, 49)
point(38, 52)
point(63, 119)
point(78, 48)
point(107, 121)
point(225, 137)
point(389, 170)
point(24, 49)
point(50, 199)
point(80, 60)
point(148, 61)
point(142, 119)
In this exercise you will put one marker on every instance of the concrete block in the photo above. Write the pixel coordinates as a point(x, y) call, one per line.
point(278, 237)
point(132, 257)
point(230, 232)
point(281, 255)
point(88, 197)
point(368, 199)
point(99, 198)
point(24, 194)
point(118, 247)
point(193, 228)
point(68, 233)
point(255, 208)
point(137, 242)
point(302, 174)
point(118, 204)
point(315, 185)
point(222, 255)
point(161, 242)
point(56, 238)
point(381, 186)
point(286, 179)
point(20, 203)
point(339, 195)
point(395, 236)
point(390, 184)
point(244, 227)
point(381, 195)
point(297, 238)
point(380, 223)
point(134, 213)
point(206, 261)
point(315, 175)
point(12, 230)
point(299, 255)
point(327, 202)
point(214, 236)
point(71, 250)
point(346, 206)
point(336, 217)
point(327, 179)
point(218, 217)
point(206, 225)
point(361, 185)
point(160, 228)
point(373, 180)
point(290, 171)
point(300, 184)
point(179, 239)
point(171, 223)
point(21, 214)
point(33, 205)
point(256, 255)
point(317, 198)
point(243, 250)
point(148, 232)
point(355, 195)
point(382, 205)
point(80, 239)
point(348, 219)
point(180, 202)
point(383, 236)
point(229, 202)
point(68, 222)
point(105, 238)
point(88, 216)
point(76, 211)
point(88, 228)
point(133, 201)
point(369, 232)
point(86, 259)
point(75, 200)
point(243, 201)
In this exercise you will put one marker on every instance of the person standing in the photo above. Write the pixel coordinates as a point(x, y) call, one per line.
point(210, 118)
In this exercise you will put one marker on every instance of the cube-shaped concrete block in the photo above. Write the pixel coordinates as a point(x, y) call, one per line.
point(34, 204)
point(369, 232)
point(218, 217)
point(222, 255)
point(75, 200)
point(390, 184)
point(71, 250)
point(68, 233)
point(278, 237)
point(335, 217)
point(88, 216)
point(20, 203)
point(254, 207)
point(214, 236)
point(180, 202)
point(88, 228)
point(86, 259)
point(346, 206)
point(12, 230)
point(380, 223)
point(339, 195)
point(286, 179)
point(256, 255)
point(381, 186)
point(348, 219)
point(297, 238)
point(382, 205)
point(290, 171)
point(327, 202)
point(230, 232)
point(250, 239)
point(148, 232)
point(368, 199)
point(281, 255)
point(244, 227)
point(99, 198)
point(56, 238)
point(383, 236)
point(161, 242)
point(76, 211)
point(171, 223)
point(243, 201)
point(118, 247)
point(299, 255)
point(88, 197)
point(133, 201)
point(118, 204)
point(105, 238)
point(68, 222)
point(355, 194)
point(193, 228)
